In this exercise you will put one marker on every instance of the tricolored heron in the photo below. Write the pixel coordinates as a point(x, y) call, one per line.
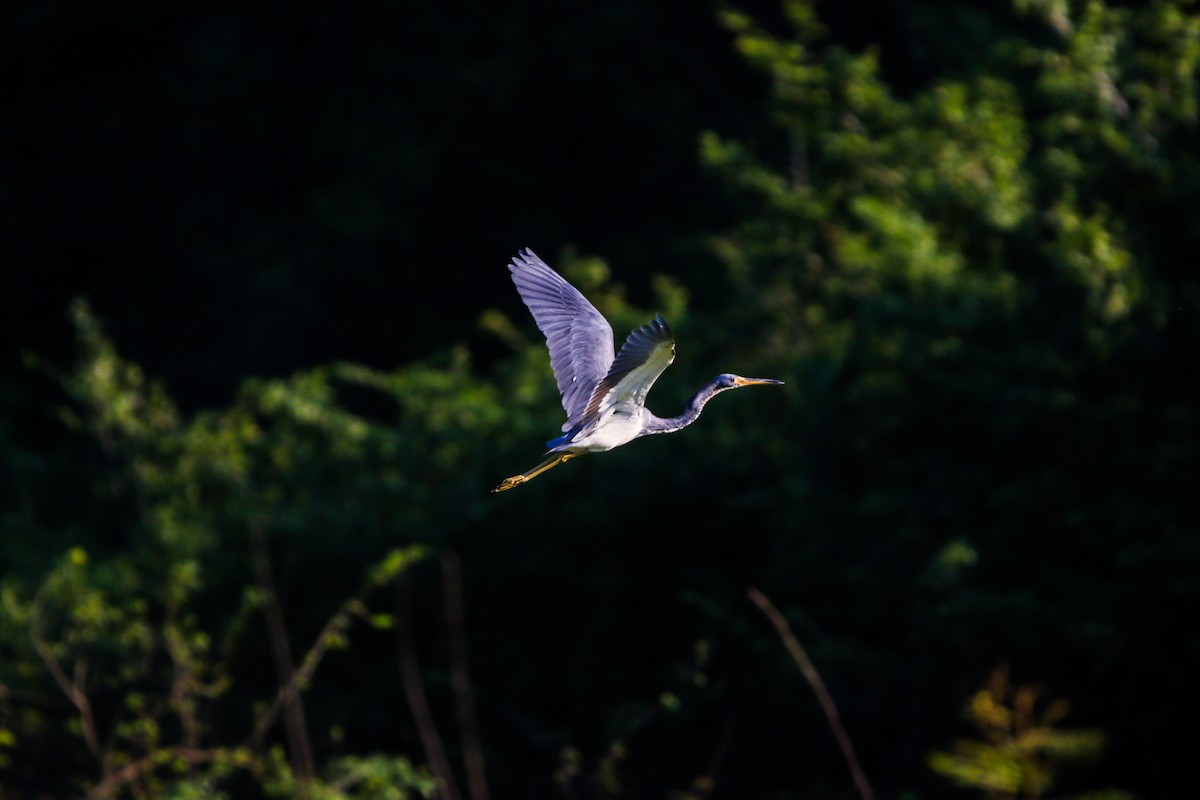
point(604, 397)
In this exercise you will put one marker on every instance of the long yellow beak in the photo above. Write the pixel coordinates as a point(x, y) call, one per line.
point(740, 381)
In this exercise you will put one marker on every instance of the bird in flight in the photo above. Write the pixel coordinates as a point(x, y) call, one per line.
point(604, 396)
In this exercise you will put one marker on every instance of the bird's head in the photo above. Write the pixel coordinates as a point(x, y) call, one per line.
point(730, 381)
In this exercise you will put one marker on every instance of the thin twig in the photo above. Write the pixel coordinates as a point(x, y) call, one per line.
point(295, 727)
point(335, 628)
point(460, 678)
point(72, 690)
point(184, 681)
point(706, 790)
point(799, 165)
point(818, 686)
point(414, 691)
point(131, 771)
point(182, 695)
point(337, 624)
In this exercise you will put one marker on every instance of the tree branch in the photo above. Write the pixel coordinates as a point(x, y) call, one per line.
point(131, 771)
point(818, 686)
point(337, 624)
point(460, 678)
point(72, 690)
point(295, 727)
point(414, 691)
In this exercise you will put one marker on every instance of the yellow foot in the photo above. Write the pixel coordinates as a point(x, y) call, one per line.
point(510, 483)
point(516, 480)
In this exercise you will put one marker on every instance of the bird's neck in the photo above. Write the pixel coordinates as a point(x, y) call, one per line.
point(689, 415)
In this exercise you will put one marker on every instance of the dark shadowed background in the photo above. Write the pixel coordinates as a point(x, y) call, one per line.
point(261, 362)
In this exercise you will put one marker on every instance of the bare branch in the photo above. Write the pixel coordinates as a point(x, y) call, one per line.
point(334, 629)
point(460, 678)
point(704, 786)
point(295, 727)
point(414, 691)
point(288, 692)
point(818, 686)
point(72, 690)
point(134, 769)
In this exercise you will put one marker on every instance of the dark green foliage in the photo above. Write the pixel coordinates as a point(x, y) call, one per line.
point(966, 243)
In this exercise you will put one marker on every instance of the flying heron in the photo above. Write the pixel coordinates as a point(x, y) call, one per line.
point(604, 397)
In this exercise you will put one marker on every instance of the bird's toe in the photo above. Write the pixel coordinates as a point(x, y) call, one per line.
point(509, 483)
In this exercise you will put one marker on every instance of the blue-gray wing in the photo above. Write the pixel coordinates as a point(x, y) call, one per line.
point(646, 353)
point(579, 338)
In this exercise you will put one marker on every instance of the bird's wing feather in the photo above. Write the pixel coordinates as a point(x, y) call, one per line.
point(648, 351)
point(579, 338)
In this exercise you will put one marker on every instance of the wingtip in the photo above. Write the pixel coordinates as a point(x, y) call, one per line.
point(656, 328)
point(525, 257)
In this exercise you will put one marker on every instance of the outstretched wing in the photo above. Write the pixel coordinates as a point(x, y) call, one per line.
point(646, 353)
point(579, 338)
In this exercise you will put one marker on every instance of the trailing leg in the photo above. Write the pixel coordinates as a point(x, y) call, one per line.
point(516, 480)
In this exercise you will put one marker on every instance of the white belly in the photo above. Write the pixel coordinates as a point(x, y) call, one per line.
point(613, 431)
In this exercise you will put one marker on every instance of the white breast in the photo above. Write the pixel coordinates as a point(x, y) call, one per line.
point(614, 430)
